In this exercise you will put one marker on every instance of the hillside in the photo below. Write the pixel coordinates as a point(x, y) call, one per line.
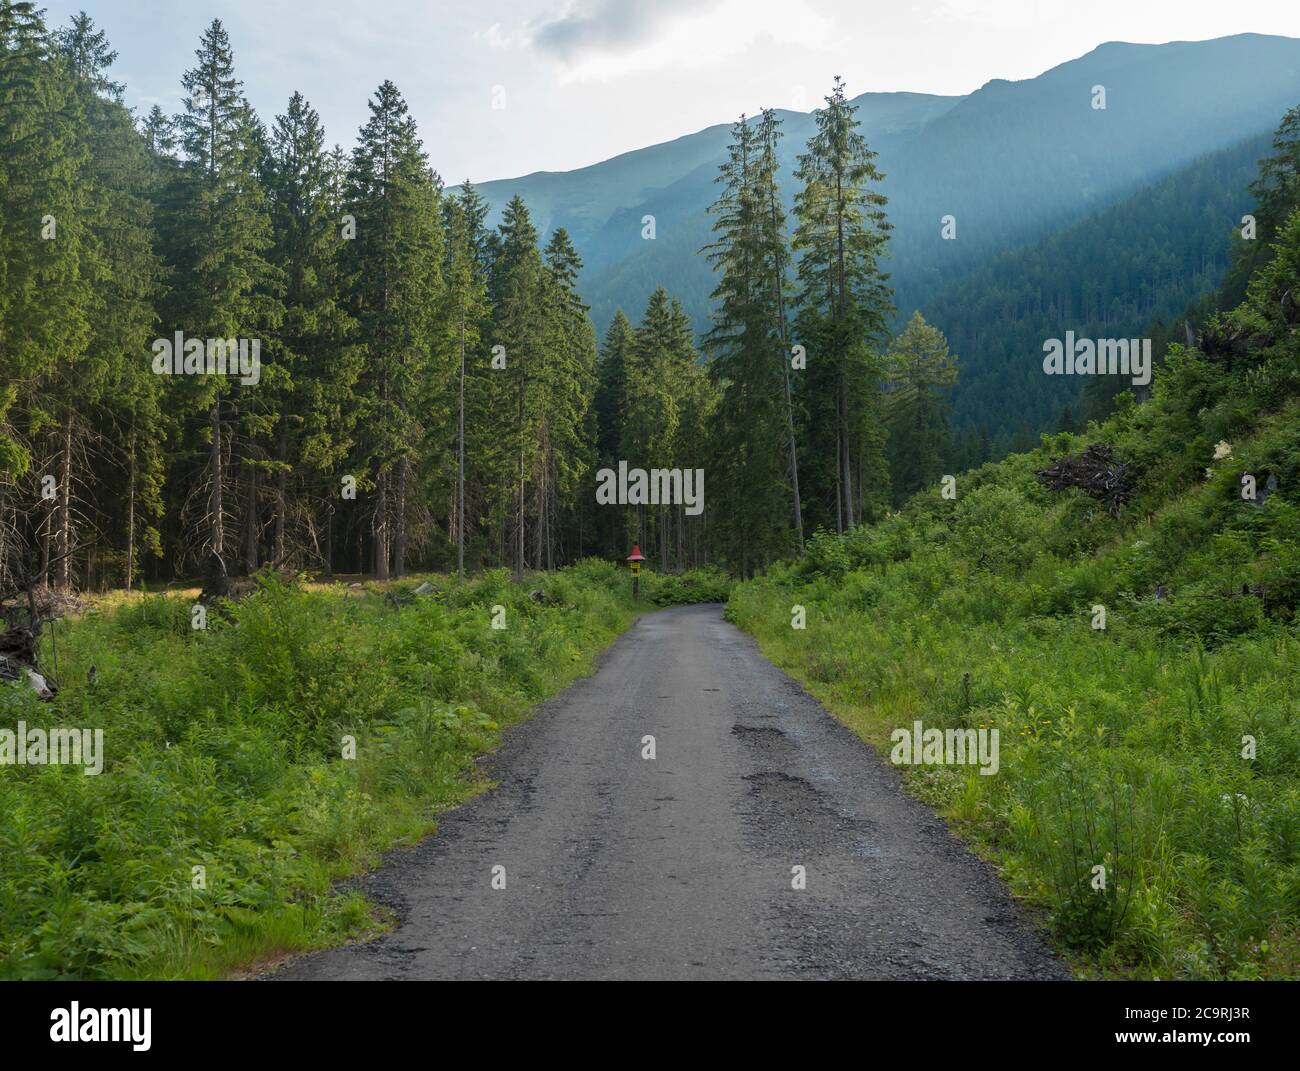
point(1111, 275)
point(1011, 161)
point(1137, 652)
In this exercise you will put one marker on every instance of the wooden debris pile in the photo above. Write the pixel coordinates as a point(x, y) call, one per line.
point(24, 617)
point(1097, 472)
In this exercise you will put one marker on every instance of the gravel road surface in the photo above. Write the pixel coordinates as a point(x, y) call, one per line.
point(617, 866)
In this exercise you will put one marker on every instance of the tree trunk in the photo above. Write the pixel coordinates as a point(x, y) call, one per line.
point(380, 530)
point(539, 534)
point(329, 541)
point(460, 460)
point(130, 510)
point(844, 453)
point(216, 505)
point(251, 558)
point(281, 495)
point(839, 493)
point(785, 366)
point(63, 538)
point(519, 534)
point(399, 518)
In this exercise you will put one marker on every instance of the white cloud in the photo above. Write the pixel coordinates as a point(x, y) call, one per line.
point(603, 41)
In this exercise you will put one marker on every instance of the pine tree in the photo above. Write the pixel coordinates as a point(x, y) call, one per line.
point(518, 290)
point(696, 404)
point(375, 303)
point(1277, 195)
point(394, 265)
point(223, 286)
point(844, 306)
point(774, 240)
point(569, 379)
point(921, 375)
point(656, 425)
point(610, 399)
point(88, 55)
point(747, 345)
point(117, 421)
point(317, 422)
point(47, 298)
point(466, 314)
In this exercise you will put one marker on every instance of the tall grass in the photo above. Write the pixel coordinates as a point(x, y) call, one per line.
point(1125, 747)
point(224, 750)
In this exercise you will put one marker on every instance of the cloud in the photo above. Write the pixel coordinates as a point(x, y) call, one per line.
point(599, 40)
point(608, 26)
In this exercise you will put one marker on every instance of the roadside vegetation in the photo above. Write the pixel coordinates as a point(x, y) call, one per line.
point(224, 750)
point(1164, 746)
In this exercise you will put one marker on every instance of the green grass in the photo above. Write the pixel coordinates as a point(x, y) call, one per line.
point(1123, 747)
point(1128, 747)
point(224, 750)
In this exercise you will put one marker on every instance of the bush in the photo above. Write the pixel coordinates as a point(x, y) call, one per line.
point(696, 586)
point(224, 750)
point(1124, 748)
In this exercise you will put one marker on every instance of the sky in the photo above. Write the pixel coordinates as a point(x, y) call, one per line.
point(502, 88)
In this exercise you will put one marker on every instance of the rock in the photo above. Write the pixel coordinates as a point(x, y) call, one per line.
point(12, 672)
point(39, 683)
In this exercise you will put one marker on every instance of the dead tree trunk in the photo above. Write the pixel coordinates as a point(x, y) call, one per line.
point(63, 537)
point(216, 505)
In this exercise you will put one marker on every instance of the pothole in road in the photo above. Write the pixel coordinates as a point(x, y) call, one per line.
point(777, 779)
point(789, 814)
point(756, 732)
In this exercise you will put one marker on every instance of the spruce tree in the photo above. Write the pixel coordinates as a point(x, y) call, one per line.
point(316, 422)
point(116, 421)
point(921, 375)
point(466, 315)
point(844, 306)
point(1277, 195)
point(774, 241)
point(222, 285)
point(48, 267)
point(751, 452)
point(569, 380)
point(518, 292)
point(394, 266)
point(609, 406)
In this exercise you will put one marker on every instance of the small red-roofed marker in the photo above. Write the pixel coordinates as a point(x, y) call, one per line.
point(634, 560)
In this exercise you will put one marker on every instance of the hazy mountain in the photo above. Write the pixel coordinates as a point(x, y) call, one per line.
point(1011, 161)
point(1111, 275)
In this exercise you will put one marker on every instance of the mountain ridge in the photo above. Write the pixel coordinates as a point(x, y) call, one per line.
point(1013, 161)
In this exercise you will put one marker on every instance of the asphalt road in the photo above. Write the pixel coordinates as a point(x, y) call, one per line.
point(621, 867)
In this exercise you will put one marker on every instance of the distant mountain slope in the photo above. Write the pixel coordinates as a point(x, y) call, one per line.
point(603, 205)
point(1109, 276)
point(1011, 161)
